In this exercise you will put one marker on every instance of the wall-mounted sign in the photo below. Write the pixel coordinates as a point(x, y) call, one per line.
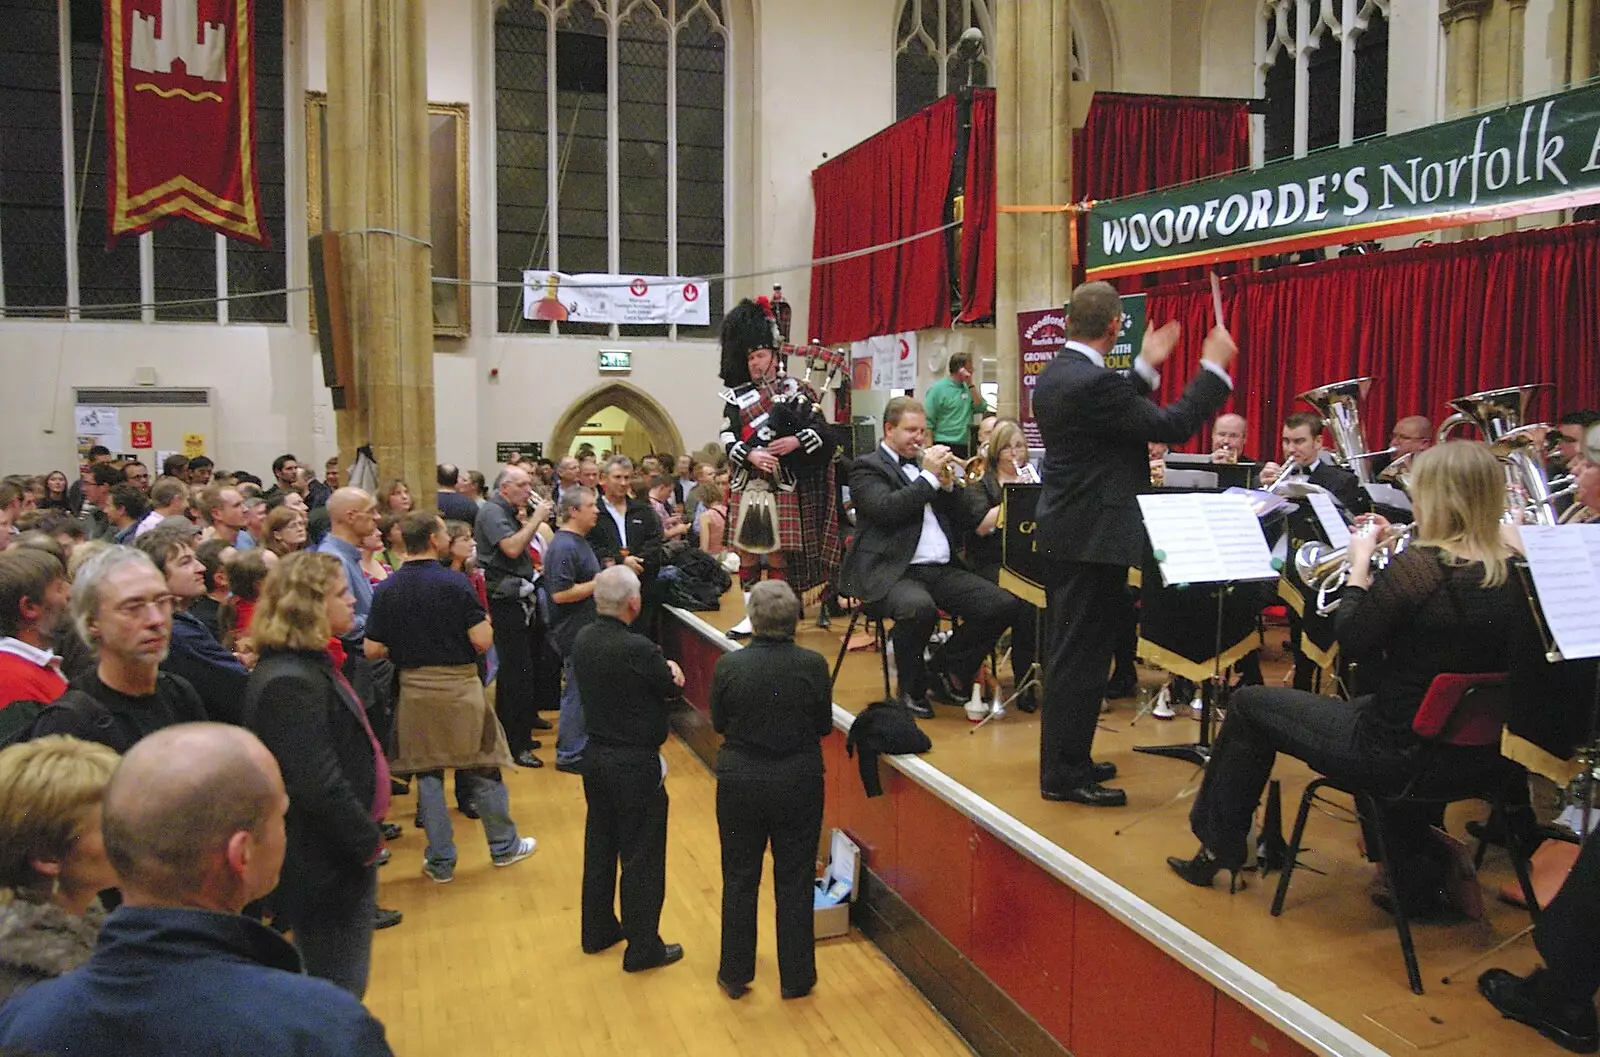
point(614, 298)
point(616, 361)
point(139, 435)
point(506, 450)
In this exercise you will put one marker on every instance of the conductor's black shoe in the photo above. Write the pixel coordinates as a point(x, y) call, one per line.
point(1567, 1023)
point(1090, 794)
point(391, 831)
point(733, 991)
point(1102, 772)
point(528, 759)
point(386, 919)
point(540, 723)
point(916, 706)
point(672, 952)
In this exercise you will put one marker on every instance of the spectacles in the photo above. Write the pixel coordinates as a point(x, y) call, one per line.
point(132, 607)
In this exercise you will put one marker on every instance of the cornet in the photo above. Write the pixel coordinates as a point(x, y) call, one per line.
point(962, 472)
point(1325, 569)
point(1290, 468)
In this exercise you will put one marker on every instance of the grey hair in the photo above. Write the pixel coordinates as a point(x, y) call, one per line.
point(614, 588)
point(571, 500)
point(500, 478)
point(92, 575)
point(774, 610)
point(619, 460)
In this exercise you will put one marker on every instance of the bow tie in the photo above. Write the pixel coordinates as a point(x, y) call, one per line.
point(904, 461)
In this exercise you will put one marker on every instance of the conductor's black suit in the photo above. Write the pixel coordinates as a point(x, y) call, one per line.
point(882, 568)
point(1096, 423)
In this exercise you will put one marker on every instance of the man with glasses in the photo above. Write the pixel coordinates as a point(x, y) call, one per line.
point(121, 606)
point(1410, 437)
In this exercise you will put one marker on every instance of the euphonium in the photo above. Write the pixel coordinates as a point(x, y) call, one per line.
point(1339, 404)
point(1325, 569)
point(1501, 416)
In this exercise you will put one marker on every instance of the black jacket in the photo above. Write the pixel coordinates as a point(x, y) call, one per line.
point(1096, 423)
point(644, 535)
point(1344, 485)
point(883, 727)
point(771, 700)
point(300, 711)
point(625, 684)
point(889, 524)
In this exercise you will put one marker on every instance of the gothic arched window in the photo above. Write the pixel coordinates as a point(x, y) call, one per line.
point(925, 63)
point(1339, 108)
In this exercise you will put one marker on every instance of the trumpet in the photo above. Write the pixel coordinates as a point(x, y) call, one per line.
point(1290, 468)
point(1325, 569)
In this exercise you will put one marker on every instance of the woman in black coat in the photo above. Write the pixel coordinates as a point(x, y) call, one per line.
point(772, 701)
point(302, 708)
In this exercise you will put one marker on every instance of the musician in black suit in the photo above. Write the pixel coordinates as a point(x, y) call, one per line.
point(905, 559)
point(1096, 423)
point(1302, 442)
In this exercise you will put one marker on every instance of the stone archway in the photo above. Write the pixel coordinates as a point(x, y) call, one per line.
point(638, 404)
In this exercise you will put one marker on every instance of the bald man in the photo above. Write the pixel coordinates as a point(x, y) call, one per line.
point(1227, 438)
point(1411, 436)
point(193, 822)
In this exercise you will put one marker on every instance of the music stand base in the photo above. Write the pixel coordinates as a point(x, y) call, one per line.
point(1195, 752)
point(1034, 677)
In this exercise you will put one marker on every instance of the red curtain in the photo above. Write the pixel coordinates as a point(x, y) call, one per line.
point(1428, 324)
point(895, 184)
point(978, 227)
point(1131, 144)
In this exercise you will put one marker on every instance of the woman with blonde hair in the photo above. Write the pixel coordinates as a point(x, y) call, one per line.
point(53, 863)
point(284, 531)
point(304, 710)
point(1445, 604)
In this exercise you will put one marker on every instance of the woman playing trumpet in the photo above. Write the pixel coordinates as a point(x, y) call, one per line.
point(1446, 604)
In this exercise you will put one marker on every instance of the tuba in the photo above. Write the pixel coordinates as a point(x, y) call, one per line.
point(1339, 404)
point(1501, 416)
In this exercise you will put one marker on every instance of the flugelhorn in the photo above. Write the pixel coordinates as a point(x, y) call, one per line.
point(1325, 569)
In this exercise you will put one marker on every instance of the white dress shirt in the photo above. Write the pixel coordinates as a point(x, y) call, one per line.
point(620, 517)
point(933, 546)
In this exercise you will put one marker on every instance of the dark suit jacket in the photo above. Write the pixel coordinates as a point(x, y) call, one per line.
point(1096, 423)
point(889, 524)
point(299, 710)
point(1343, 484)
point(644, 535)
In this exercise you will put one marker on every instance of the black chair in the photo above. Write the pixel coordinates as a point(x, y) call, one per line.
point(1459, 711)
point(873, 613)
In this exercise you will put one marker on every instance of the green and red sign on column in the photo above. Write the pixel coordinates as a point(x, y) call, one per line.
point(1042, 333)
point(1531, 157)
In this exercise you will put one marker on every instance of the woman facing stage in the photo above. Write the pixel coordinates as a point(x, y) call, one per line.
point(1445, 604)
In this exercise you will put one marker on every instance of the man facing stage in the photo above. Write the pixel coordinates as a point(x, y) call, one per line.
point(905, 561)
point(1096, 423)
point(1302, 442)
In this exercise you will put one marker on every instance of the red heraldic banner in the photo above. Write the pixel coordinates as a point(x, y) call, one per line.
point(182, 133)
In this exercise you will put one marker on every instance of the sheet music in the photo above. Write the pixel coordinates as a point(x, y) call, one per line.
point(1332, 521)
point(1204, 538)
point(1565, 562)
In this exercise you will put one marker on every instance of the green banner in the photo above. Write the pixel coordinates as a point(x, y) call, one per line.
point(1527, 158)
point(1131, 339)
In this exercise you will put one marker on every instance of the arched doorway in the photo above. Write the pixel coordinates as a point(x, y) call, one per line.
point(637, 408)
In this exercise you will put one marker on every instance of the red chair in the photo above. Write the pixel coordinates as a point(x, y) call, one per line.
point(1459, 711)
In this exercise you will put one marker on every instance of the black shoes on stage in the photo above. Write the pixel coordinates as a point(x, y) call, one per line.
point(1089, 792)
point(1201, 870)
point(916, 706)
point(1568, 1023)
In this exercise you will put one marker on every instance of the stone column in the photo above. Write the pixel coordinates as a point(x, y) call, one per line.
point(377, 124)
point(1582, 40)
point(1461, 20)
point(1033, 158)
point(1516, 87)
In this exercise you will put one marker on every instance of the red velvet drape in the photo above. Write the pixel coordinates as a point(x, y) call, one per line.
point(978, 226)
point(1131, 144)
point(1428, 324)
point(895, 184)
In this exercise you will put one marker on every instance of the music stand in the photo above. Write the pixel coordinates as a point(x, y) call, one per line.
point(1203, 538)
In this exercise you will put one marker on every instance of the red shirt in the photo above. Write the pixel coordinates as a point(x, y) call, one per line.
point(24, 678)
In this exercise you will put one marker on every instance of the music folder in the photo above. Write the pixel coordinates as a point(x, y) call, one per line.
point(1203, 538)
point(1565, 563)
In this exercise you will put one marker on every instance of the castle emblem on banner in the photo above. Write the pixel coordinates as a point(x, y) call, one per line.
point(167, 156)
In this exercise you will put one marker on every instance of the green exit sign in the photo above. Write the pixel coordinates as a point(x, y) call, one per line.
point(616, 360)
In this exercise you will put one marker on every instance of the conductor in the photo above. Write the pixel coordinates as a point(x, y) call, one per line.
point(1096, 423)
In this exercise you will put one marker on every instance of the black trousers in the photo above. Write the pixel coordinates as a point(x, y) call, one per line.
point(785, 811)
point(1024, 634)
point(1568, 932)
point(514, 684)
point(627, 825)
point(1083, 597)
point(914, 604)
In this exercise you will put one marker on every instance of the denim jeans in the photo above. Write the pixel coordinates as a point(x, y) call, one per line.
point(338, 948)
point(571, 737)
point(486, 792)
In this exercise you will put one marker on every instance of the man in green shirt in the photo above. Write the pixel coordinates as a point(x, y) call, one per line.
point(950, 403)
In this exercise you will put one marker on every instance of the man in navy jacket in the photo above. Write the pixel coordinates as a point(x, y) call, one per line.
point(193, 821)
point(213, 671)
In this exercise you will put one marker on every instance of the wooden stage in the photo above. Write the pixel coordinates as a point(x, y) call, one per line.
point(1036, 927)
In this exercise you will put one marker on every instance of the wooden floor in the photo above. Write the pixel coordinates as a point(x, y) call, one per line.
point(1332, 947)
point(490, 964)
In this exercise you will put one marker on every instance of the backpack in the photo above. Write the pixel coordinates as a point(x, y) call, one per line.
point(700, 583)
point(19, 721)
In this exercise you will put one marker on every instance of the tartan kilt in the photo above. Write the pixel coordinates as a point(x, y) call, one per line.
point(789, 534)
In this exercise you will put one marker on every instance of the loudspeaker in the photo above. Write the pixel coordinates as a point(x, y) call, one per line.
point(333, 335)
point(861, 439)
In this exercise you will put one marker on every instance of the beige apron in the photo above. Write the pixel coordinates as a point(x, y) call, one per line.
point(446, 722)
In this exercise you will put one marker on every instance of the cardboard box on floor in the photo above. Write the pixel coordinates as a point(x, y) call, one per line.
point(837, 887)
